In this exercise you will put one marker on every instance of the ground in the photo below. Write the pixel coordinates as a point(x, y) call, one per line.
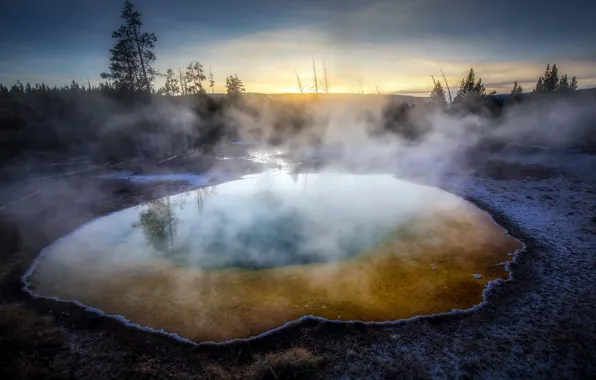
point(540, 324)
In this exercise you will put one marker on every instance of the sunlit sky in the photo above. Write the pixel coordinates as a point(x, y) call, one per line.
point(393, 45)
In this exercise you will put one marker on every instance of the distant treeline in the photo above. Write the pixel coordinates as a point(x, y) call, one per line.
point(472, 92)
point(20, 88)
point(38, 121)
point(53, 123)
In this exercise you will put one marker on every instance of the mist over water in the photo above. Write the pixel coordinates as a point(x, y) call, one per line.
point(264, 221)
point(240, 258)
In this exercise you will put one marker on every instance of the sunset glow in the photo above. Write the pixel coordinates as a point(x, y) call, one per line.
point(394, 46)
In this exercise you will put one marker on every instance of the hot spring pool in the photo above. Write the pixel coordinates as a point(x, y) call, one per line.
point(240, 258)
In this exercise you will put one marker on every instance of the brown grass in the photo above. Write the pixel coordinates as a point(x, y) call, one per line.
point(33, 346)
point(30, 345)
point(295, 363)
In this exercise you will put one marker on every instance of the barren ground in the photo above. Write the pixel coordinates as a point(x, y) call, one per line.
point(540, 324)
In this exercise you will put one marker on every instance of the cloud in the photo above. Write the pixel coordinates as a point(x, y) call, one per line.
point(266, 60)
point(393, 44)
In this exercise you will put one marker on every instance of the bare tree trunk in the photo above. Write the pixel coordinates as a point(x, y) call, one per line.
point(138, 45)
point(182, 83)
point(131, 75)
point(299, 82)
point(314, 69)
point(325, 78)
point(170, 225)
point(447, 85)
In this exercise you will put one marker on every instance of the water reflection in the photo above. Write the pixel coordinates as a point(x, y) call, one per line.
point(201, 195)
point(159, 222)
point(276, 220)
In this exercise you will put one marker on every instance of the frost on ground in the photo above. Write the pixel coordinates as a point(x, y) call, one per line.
point(542, 323)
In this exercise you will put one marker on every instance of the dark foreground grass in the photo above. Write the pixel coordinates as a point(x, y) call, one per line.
point(294, 363)
point(31, 346)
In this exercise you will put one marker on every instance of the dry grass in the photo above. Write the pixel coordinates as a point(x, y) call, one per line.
point(33, 346)
point(30, 345)
point(295, 363)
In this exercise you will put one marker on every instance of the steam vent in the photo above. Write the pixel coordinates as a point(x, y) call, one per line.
point(241, 258)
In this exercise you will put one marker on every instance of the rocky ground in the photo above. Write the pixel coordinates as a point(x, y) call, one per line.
point(540, 324)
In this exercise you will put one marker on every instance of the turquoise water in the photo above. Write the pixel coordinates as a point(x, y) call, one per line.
point(267, 220)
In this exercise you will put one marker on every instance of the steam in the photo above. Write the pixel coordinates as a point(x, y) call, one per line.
point(334, 197)
point(267, 221)
point(563, 123)
point(337, 132)
point(330, 133)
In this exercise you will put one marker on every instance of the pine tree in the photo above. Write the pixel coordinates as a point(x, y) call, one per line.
point(467, 84)
point(539, 86)
point(550, 82)
point(74, 86)
point(17, 88)
point(516, 92)
point(124, 64)
point(234, 86)
point(551, 79)
point(563, 83)
point(211, 80)
point(566, 86)
point(194, 78)
point(479, 88)
point(437, 95)
point(171, 87)
point(132, 56)
point(143, 42)
point(470, 88)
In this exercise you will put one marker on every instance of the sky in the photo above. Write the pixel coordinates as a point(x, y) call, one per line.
point(390, 45)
